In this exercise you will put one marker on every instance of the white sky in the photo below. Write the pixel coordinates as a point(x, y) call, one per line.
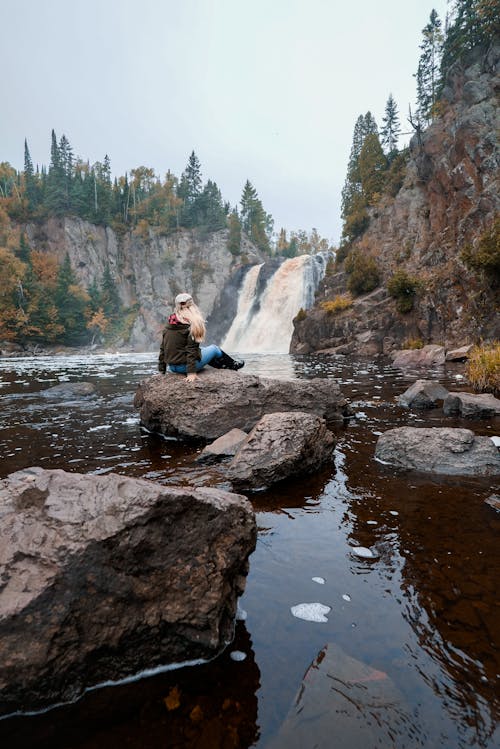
point(265, 90)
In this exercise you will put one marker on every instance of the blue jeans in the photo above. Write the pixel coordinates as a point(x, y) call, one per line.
point(207, 354)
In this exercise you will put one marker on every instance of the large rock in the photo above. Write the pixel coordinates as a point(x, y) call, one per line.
point(428, 356)
point(470, 405)
point(423, 394)
point(105, 576)
point(281, 445)
point(221, 400)
point(439, 450)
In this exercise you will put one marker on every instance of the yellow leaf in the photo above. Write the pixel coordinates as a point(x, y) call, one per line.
point(173, 699)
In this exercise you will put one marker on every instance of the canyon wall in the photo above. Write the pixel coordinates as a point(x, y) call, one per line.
point(149, 269)
point(449, 197)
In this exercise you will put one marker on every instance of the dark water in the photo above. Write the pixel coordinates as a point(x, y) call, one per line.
point(425, 611)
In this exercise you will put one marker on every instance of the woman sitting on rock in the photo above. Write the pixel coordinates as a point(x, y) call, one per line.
point(180, 349)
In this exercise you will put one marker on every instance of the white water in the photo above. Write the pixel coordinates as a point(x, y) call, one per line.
point(270, 328)
point(243, 313)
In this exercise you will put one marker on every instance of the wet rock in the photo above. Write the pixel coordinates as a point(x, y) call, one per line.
point(221, 400)
point(471, 405)
point(105, 576)
point(459, 354)
point(69, 390)
point(279, 446)
point(423, 394)
point(344, 698)
point(493, 501)
point(439, 450)
point(428, 356)
point(223, 447)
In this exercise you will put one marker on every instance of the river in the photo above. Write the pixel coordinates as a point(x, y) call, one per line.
point(423, 614)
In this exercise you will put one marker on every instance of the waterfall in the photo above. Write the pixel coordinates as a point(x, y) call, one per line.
point(265, 324)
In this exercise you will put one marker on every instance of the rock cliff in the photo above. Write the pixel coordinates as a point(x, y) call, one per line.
point(149, 269)
point(448, 198)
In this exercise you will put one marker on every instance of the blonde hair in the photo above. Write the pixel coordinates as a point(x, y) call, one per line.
point(191, 314)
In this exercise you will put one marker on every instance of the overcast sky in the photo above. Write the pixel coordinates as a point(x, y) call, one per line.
point(265, 90)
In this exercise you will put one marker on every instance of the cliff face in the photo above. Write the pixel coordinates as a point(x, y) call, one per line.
point(449, 197)
point(148, 270)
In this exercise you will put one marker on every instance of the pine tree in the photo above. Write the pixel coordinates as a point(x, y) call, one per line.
point(372, 166)
point(30, 179)
point(427, 75)
point(190, 190)
point(70, 302)
point(256, 223)
point(391, 128)
point(109, 299)
point(56, 196)
point(234, 234)
point(365, 125)
point(472, 22)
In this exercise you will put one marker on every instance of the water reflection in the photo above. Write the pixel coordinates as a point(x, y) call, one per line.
point(216, 707)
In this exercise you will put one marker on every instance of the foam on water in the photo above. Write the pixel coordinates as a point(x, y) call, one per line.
point(311, 612)
point(496, 441)
point(363, 552)
point(319, 580)
point(237, 655)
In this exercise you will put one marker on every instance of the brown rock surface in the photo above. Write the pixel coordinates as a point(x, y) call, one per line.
point(423, 394)
point(470, 405)
point(281, 445)
point(449, 196)
point(221, 400)
point(105, 576)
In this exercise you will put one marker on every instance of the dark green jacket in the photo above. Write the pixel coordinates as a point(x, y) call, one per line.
point(178, 346)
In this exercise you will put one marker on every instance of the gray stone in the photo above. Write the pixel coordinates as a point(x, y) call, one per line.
point(105, 576)
point(459, 354)
point(439, 450)
point(423, 394)
point(69, 390)
point(471, 405)
point(281, 445)
point(223, 447)
point(220, 400)
point(427, 356)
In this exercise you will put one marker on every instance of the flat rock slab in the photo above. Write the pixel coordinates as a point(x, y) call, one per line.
point(439, 450)
point(281, 445)
point(221, 400)
point(345, 703)
point(69, 390)
point(471, 405)
point(423, 394)
point(459, 354)
point(223, 447)
point(105, 576)
point(427, 356)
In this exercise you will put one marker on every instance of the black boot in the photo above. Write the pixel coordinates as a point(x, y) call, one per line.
point(226, 362)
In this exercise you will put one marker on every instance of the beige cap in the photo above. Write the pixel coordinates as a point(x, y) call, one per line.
point(183, 298)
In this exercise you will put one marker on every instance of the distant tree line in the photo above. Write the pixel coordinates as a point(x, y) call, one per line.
point(139, 200)
point(376, 166)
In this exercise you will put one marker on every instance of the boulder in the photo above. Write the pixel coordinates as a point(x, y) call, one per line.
point(423, 394)
point(470, 405)
point(279, 446)
point(439, 450)
point(459, 354)
point(69, 390)
point(427, 356)
point(221, 400)
point(105, 576)
point(224, 447)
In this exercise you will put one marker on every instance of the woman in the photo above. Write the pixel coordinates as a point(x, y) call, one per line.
point(180, 349)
